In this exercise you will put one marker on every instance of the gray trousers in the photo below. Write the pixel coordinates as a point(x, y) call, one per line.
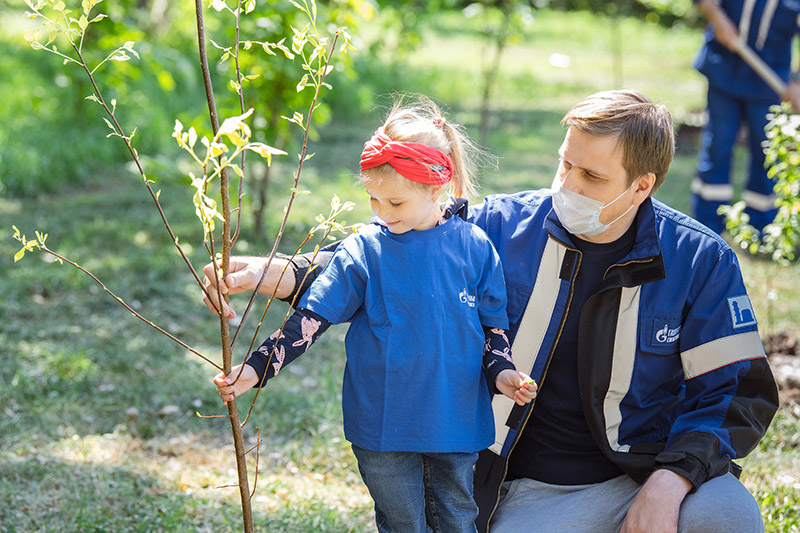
point(721, 505)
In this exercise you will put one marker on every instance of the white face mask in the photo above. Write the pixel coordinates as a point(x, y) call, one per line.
point(580, 215)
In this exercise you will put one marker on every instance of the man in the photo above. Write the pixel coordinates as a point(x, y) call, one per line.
point(736, 95)
point(634, 320)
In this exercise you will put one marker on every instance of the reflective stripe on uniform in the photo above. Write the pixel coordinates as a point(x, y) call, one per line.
point(711, 192)
point(720, 352)
point(531, 331)
point(757, 201)
point(766, 22)
point(622, 364)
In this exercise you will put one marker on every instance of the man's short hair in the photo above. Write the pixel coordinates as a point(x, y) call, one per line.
point(643, 128)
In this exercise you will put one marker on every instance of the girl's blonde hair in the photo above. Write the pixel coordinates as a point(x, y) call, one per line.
point(418, 119)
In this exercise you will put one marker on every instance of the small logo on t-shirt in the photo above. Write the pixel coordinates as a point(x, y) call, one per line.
point(741, 311)
point(466, 298)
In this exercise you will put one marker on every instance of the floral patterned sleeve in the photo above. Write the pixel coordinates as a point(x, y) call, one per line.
point(496, 355)
point(302, 330)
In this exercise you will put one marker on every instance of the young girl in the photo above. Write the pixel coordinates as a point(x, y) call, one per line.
point(424, 294)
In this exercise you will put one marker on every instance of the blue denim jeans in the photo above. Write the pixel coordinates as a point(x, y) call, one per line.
point(420, 492)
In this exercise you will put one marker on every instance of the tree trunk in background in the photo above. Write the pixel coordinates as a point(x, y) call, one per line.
point(492, 68)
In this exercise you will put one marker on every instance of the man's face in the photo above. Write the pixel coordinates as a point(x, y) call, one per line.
point(591, 165)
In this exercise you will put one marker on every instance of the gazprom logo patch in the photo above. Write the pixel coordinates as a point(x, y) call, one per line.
point(667, 335)
point(741, 311)
point(466, 298)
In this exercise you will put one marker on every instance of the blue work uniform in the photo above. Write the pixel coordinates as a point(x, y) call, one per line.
point(737, 95)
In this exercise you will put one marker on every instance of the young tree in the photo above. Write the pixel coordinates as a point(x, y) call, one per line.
point(506, 21)
point(223, 151)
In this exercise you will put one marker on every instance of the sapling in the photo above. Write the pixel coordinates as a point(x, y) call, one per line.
point(225, 149)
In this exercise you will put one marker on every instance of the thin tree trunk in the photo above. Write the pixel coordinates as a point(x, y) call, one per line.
point(490, 73)
point(236, 428)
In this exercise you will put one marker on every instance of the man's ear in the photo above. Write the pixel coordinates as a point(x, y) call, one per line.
point(643, 187)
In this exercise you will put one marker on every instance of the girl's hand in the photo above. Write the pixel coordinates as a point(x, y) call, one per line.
point(516, 385)
point(244, 275)
point(228, 390)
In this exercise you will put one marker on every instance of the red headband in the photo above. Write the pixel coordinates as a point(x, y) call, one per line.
point(415, 161)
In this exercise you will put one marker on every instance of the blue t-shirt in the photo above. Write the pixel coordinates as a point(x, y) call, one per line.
point(417, 303)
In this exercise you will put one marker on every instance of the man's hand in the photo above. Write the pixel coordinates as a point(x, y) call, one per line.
point(725, 31)
point(657, 506)
point(228, 390)
point(516, 385)
point(792, 95)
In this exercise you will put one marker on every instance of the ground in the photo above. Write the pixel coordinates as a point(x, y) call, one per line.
point(782, 351)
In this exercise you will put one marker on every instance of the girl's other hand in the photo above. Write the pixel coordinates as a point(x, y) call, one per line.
point(516, 385)
point(229, 387)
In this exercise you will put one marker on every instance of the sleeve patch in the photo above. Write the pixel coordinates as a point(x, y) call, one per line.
point(741, 311)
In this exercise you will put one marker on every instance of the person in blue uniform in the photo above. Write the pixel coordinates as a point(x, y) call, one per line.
point(738, 95)
point(426, 347)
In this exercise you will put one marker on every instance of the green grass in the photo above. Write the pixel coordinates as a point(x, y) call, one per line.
point(76, 362)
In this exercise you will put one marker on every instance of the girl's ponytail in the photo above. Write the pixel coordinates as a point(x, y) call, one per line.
point(420, 120)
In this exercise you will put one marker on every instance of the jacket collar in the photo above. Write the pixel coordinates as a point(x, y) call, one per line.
point(646, 247)
point(455, 207)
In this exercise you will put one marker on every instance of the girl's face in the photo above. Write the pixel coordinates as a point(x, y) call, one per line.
point(401, 206)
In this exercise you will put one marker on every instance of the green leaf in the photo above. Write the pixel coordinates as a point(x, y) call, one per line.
point(219, 5)
point(303, 83)
point(129, 47)
point(119, 55)
point(192, 137)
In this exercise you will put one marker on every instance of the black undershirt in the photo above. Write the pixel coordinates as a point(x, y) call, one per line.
point(556, 446)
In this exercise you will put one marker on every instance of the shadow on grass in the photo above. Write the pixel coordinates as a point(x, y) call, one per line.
point(42, 493)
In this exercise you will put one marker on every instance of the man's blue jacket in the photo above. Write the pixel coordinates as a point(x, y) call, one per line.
point(672, 371)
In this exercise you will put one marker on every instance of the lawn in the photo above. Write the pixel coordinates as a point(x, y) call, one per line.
point(99, 430)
